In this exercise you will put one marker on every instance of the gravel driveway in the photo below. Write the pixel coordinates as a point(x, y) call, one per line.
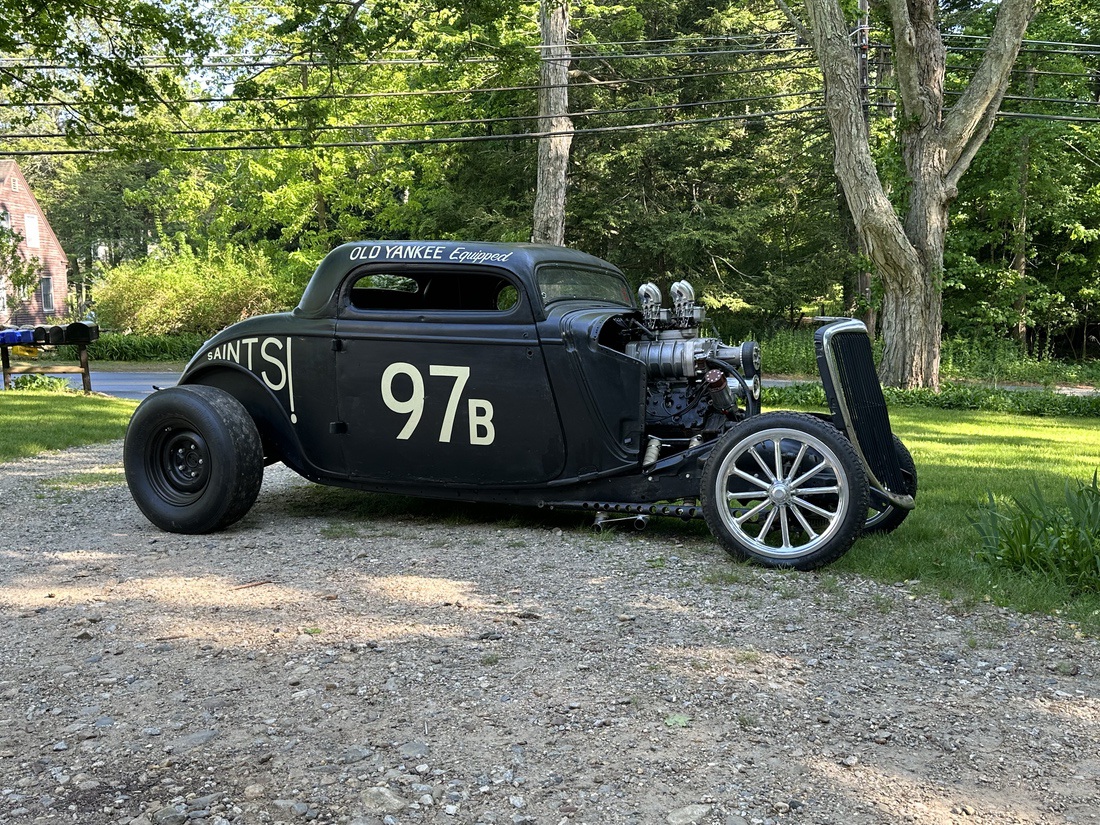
point(327, 661)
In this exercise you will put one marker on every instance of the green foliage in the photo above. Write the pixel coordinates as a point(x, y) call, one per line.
point(951, 397)
point(1044, 538)
point(1025, 236)
point(176, 290)
point(102, 45)
point(117, 346)
point(40, 383)
point(788, 352)
point(20, 274)
point(984, 357)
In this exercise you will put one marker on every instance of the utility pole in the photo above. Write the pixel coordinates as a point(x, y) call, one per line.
point(553, 161)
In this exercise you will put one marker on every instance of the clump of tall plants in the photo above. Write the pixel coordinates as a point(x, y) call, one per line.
point(1037, 536)
point(177, 289)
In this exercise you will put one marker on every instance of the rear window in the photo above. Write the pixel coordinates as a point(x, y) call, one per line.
point(558, 282)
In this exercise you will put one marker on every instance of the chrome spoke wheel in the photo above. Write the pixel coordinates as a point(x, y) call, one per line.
point(785, 489)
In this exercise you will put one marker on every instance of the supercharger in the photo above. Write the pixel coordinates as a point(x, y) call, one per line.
point(691, 376)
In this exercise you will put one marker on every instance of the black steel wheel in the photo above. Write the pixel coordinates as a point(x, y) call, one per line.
point(889, 518)
point(785, 489)
point(193, 459)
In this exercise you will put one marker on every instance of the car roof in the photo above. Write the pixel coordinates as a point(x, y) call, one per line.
point(521, 259)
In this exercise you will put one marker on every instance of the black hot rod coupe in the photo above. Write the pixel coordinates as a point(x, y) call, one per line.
point(521, 374)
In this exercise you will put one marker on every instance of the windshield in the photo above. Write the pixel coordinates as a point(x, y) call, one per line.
point(559, 282)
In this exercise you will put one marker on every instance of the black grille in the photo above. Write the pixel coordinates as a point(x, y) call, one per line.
point(862, 392)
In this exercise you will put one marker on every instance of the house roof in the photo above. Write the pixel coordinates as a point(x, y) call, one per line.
point(8, 168)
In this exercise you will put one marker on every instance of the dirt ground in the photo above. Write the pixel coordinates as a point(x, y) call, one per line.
point(339, 659)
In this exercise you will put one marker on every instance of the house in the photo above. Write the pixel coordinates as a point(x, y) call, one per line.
point(20, 212)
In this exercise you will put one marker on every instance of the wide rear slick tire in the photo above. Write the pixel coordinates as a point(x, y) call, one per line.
point(193, 459)
point(785, 489)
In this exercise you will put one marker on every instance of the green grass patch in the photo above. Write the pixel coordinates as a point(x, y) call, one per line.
point(75, 481)
point(962, 457)
point(32, 422)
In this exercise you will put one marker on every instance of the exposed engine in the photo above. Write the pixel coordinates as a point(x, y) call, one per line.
point(695, 385)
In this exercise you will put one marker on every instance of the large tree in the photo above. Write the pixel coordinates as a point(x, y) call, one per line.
point(937, 143)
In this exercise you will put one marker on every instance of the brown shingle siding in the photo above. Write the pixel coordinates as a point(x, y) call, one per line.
point(17, 200)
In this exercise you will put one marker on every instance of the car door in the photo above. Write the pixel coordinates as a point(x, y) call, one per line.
point(441, 380)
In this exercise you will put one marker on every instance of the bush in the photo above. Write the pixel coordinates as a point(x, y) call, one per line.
point(176, 290)
point(952, 397)
point(114, 346)
point(1041, 538)
point(40, 383)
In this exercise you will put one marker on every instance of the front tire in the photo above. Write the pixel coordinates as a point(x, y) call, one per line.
point(193, 459)
point(890, 518)
point(785, 489)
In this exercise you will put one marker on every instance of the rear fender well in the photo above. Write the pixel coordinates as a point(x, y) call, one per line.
point(280, 442)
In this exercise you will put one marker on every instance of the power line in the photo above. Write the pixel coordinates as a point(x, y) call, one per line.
point(1024, 42)
point(1036, 116)
point(298, 64)
point(1028, 70)
point(72, 104)
point(361, 144)
point(331, 127)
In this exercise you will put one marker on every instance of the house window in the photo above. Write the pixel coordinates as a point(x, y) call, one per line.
point(5, 219)
point(47, 294)
point(30, 230)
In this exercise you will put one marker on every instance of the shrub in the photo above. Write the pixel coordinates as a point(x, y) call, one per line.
point(952, 397)
point(177, 290)
point(114, 346)
point(1041, 538)
point(40, 383)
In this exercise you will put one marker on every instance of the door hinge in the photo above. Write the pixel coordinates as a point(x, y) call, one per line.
point(338, 427)
point(337, 345)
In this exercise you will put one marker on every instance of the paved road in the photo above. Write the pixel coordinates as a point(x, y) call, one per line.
point(134, 385)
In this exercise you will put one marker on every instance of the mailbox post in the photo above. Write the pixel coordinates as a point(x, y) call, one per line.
point(78, 333)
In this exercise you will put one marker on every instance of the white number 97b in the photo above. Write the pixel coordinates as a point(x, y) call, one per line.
point(480, 410)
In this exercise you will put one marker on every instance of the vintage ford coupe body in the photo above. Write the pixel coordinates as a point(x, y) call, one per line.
point(521, 374)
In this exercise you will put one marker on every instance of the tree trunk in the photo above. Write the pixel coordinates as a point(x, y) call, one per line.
point(937, 146)
point(553, 162)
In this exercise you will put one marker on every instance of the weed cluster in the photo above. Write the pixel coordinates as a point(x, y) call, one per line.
point(40, 383)
point(1038, 537)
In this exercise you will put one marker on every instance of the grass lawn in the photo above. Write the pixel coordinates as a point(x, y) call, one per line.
point(32, 422)
point(960, 457)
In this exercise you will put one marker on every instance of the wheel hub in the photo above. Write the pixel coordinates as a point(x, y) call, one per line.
point(780, 493)
point(186, 462)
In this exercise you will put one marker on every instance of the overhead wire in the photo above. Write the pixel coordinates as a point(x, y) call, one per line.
point(530, 87)
point(330, 127)
point(423, 61)
point(627, 81)
point(448, 140)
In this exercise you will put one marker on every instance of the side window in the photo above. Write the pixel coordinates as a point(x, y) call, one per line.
point(507, 297)
point(385, 291)
point(435, 290)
